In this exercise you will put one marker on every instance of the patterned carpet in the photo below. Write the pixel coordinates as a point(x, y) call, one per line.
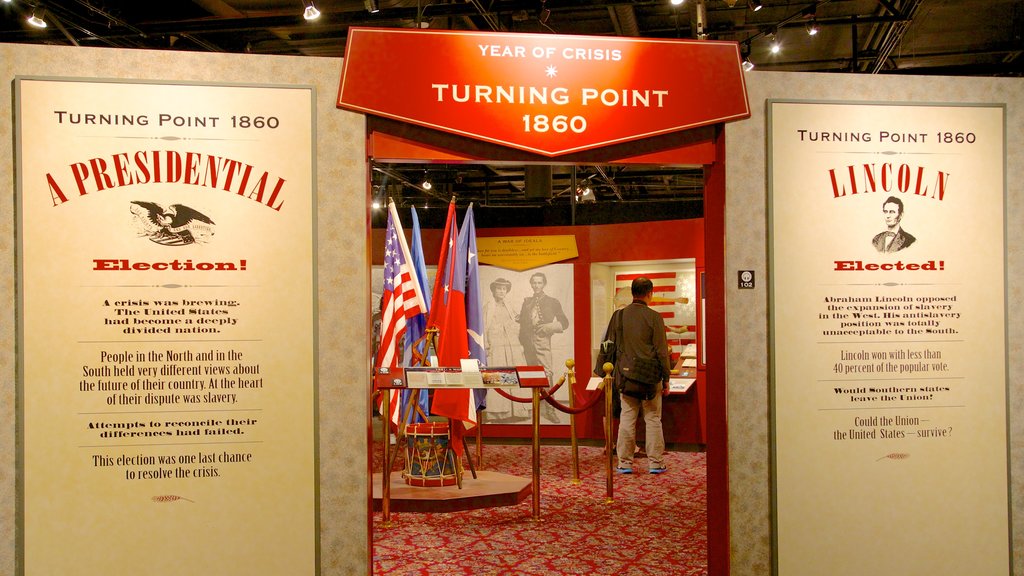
point(654, 527)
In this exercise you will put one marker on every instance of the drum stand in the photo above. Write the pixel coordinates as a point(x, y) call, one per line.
point(429, 341)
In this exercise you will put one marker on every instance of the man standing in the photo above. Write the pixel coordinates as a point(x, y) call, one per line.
point(642, 339)
point(894, 238)
point(540, 317)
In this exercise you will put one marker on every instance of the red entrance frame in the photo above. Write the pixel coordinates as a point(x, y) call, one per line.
point(391, 141)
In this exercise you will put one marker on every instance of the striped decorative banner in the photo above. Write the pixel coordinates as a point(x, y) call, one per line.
point(671, 300)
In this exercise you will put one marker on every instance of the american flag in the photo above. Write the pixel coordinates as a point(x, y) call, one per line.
point(401, 301)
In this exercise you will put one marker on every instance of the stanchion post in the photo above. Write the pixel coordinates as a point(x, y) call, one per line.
point(385, 478)
point(571, 375)
point(608, 391)
point(479, 440)
point(536, 455)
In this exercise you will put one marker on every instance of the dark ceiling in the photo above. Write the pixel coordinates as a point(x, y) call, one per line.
point(945, 37)
point(951, 37)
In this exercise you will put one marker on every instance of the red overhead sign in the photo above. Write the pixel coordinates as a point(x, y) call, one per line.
point(547, 94)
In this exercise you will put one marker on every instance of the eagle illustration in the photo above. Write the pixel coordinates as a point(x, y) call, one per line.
point(175, 225)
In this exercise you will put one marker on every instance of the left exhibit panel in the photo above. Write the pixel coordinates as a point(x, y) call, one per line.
point(166, 269)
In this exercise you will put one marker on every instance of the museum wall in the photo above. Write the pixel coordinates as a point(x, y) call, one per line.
point(342, 268)
point(344, 285)
point(747, 310)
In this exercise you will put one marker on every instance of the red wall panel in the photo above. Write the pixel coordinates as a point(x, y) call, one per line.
point(683, 414)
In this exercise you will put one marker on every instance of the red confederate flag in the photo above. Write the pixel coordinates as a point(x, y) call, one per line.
point(448, 315)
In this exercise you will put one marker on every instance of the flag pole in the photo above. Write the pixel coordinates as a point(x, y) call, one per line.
point(479, 438)
point(385, 502)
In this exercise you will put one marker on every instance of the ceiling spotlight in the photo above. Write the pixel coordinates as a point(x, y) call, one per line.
point(372, 6)
point(310, 13)
point(745, 53)
point(773, 35)
point(754, 5)
point(426, 184)
point(812, 28)
point(677, 2)
point(37, 21)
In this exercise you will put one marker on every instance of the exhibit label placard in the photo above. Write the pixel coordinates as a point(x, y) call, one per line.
point(550, 94)
point(166, 335)
point(888, 338)
point(524, 252)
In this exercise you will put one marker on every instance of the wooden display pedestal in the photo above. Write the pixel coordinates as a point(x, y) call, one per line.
point(487, 490)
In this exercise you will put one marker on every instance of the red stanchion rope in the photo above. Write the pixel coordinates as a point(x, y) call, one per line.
point(578, 409)
point(548, 396)
point(544, 393)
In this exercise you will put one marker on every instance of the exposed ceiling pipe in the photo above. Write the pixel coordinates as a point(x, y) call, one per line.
point(894, 36)
point(892, 8)
point(60, 26)
point(854, 48)
point(219, 7)
point(872, 39)
point(396, 176)
point(608, 181)
point(488, 17)
point(799, 15)
point(115, 20)
point(625, 19)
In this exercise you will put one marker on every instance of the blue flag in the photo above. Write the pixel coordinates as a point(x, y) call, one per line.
point(417, 256)
point(474, 305)
point(417, 326)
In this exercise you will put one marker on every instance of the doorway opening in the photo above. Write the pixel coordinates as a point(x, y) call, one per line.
point(509, 197)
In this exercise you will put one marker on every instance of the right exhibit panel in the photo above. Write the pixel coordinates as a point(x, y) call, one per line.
point(888, 338)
